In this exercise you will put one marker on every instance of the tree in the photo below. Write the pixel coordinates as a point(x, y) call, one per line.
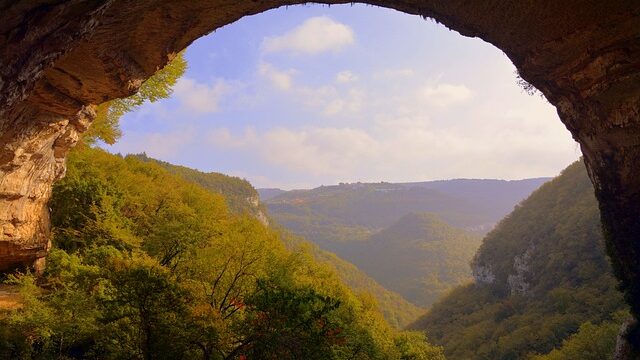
point(105, 126)
point(590, 342)
point(288, 322)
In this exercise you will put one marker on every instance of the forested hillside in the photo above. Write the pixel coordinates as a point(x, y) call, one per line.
point(147, 265)
point(242, 199)
point(420, 256)
point(396, 309)
point(541, 276)
point(240, 195)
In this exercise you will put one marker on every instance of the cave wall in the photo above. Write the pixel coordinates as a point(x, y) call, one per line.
point(60, 58)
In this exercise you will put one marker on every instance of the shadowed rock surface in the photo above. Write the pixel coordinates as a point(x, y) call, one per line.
point(58, 59)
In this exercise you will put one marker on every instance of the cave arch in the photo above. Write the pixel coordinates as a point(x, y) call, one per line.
point(58, 59)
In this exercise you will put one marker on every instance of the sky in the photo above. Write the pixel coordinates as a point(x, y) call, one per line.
point(311, 95)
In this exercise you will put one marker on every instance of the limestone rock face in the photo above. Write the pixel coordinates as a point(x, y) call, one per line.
point(57, 59)
point(482, 274)
point(518, 281)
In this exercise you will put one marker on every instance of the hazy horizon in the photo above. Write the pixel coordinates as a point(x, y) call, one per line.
point(403, 182)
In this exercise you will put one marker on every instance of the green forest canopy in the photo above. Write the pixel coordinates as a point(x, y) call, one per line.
point(242, 199)
point(148, 265)
point(568, 281)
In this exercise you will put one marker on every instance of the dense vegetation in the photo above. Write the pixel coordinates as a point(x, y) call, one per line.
point(420, 256)
point(543, 275)
point(147, 265)
point(240, 195)
point(397, 311)
point(242, 198)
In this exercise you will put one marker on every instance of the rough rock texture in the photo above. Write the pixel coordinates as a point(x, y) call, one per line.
point(482, 274)
point(57, 58)
point(518, 281)
point(623, 349)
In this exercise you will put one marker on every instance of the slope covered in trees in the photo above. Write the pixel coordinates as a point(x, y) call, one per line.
point(420, 256)
point(147, 265)
point(242, 199)
point(396, 309)
point(540, 275)
point(240, 195)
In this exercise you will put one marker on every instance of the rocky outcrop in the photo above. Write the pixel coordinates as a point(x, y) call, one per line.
point(518, 282)
point(482, 274)
point(58, 58)
point(623, 349)
point(256, 206)
point(33, 157)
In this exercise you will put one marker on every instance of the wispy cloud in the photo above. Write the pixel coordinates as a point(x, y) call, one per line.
point(444, 95)
point(346, 76)
point(282, 80)
point(200, 98)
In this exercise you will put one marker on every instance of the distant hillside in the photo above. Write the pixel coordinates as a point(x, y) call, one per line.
point(539, 275)
point(368, 225)
point(420, 256)
point(266, 194)
point(353, 211)
point(498, 196)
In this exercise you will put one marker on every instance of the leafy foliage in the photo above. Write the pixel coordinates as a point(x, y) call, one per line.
point(590, 342)
point(397, 311)
point(105, 126)
point(242, 199)
point(239, 193)
point(148, 265)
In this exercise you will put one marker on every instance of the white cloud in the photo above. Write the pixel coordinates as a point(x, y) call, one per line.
point(527, 142)
point(199, 98)
point(344, 77)
point(316, 150)
point(314, 36)
point(282, 80)
point(444, 95)
point(329, 100)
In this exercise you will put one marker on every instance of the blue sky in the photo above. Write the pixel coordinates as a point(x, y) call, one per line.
point(303, 96)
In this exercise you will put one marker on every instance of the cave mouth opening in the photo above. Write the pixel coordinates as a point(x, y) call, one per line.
point(585, 62)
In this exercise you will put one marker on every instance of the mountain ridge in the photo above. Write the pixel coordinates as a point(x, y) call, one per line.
point(472, 204)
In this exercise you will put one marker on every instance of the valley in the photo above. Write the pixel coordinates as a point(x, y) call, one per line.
point(414, 238)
